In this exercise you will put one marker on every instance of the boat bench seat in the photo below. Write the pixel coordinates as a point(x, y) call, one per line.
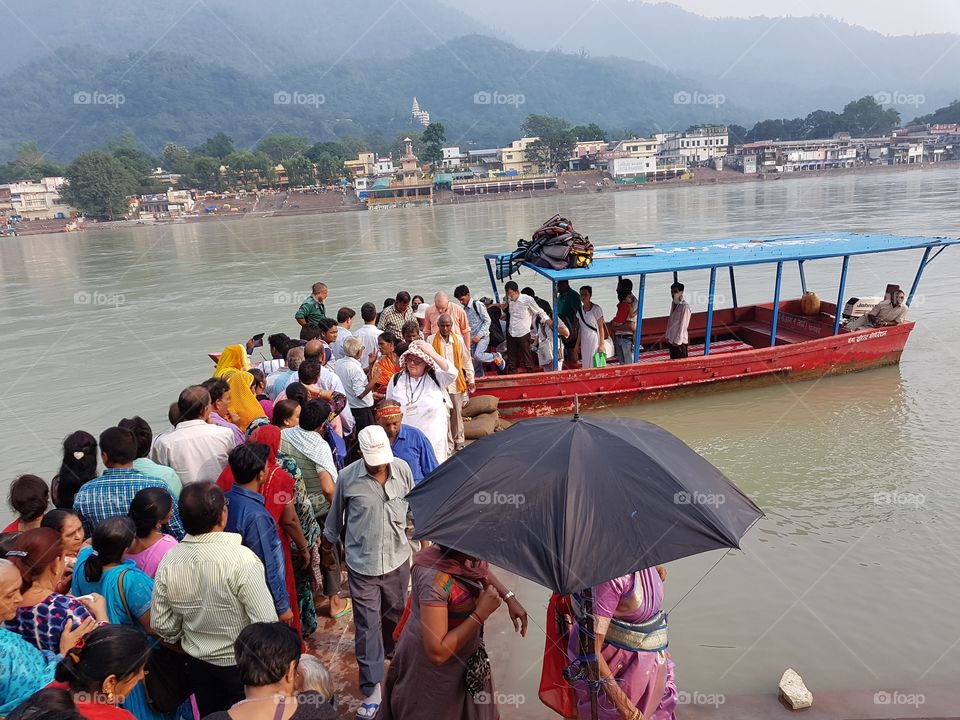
point(784, 336)
point(719, 346)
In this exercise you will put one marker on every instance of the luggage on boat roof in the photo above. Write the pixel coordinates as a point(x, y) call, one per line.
point(555, 245)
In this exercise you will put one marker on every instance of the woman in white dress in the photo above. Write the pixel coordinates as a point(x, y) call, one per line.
point(593, 330)
point(420, 388)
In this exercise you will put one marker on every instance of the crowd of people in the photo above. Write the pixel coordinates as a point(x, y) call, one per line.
point(185, 577)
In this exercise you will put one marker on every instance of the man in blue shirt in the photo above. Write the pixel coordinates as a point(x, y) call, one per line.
point(407, 442)
point(248, 517)
point(110, 494)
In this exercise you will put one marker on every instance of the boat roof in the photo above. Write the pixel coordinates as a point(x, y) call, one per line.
point(639, 259)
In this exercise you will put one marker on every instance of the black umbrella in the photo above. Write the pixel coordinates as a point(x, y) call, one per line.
point(573, 503)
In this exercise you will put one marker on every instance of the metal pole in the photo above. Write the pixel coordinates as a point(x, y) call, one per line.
point(493, 280)
point(713, 287)
point(636, 338)
point(733, 288)
point(916, 279)
point(776, 305)
point(676, 278)
point(803, 277)
point(555, 328)
point(843, 287)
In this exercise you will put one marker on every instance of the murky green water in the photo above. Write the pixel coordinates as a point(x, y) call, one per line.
point(850, 578)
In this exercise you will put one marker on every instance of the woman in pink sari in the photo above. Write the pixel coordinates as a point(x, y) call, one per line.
point(630, 641)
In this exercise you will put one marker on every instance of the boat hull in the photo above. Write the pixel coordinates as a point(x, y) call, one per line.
point(538, 394)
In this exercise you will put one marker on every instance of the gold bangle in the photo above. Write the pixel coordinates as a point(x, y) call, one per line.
point(476, 617)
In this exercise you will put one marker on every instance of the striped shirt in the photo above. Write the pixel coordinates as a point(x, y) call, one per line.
point(209, 588)
point(110, 495)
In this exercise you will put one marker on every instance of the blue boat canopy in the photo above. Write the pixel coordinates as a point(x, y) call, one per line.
point(624, 260)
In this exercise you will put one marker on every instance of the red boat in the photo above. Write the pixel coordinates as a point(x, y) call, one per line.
point(728, 347)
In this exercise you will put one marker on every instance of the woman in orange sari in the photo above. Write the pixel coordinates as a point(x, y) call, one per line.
point(243, 403)
point(386, 366)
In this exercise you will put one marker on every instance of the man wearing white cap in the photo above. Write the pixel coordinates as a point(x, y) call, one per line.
point(370, 505)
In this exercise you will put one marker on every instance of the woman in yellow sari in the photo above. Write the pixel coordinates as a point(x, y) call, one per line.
point(233, 357)
point(244, 405)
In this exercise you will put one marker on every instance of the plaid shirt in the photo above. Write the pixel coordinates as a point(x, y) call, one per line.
point(392, 321)
point(110, 495)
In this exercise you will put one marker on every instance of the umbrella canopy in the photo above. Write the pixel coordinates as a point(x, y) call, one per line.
point(573, 503)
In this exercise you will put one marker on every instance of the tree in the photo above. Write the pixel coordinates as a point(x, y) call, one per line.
point(280, 147)
point(249, 169)
point(329, 168)
point(948, 114)
point(98, 184)
point(433, 139)
point(176, 158)
point(555, 134)
point(822, 124)
point(29, 164)
point(782, 129)
point(737, 134)
point(218, 146)
point(538, 152)
point(299, 171)
point(204, 173)
point(587, 133)
point(867, 117)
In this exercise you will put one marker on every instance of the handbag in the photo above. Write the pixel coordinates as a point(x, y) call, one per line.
point(167, 682)
point(478, 673)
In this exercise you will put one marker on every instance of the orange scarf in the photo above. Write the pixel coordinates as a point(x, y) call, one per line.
point(457, 347)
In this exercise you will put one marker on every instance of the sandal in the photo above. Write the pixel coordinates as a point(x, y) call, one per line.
point(368, 711)
point(347, 609)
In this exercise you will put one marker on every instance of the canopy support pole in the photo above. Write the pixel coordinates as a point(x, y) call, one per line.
point(713, 287)
point(776, 305)
point(555, 328)
point(843, 288)
point(493, 280)
point(636, 337)
point(916, 279)
point(676, 278)
point(733, 287)
point(803, 277)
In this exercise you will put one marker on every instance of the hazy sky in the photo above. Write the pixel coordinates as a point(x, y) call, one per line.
point(887, 16)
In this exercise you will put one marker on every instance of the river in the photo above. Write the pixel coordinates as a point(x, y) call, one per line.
point(850, 576)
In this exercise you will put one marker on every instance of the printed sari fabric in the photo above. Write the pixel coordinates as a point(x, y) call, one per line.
point(646, 677)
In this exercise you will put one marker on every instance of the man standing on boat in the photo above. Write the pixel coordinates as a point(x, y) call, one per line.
point(677, 324)
point(312, 310)
point(568, 305)
point(523, 310)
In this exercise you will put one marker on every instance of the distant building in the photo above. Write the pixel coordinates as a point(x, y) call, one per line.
point(36, 200)
point(384, 166)
point(484, 162)
point(696, 146)
point(420, 116)
point(363, 165)
point(514, 158)
point(453, 158)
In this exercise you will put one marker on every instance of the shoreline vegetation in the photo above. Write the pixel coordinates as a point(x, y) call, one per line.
point(292, 203)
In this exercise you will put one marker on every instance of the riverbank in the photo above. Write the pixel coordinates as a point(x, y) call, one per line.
point(290, 204)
